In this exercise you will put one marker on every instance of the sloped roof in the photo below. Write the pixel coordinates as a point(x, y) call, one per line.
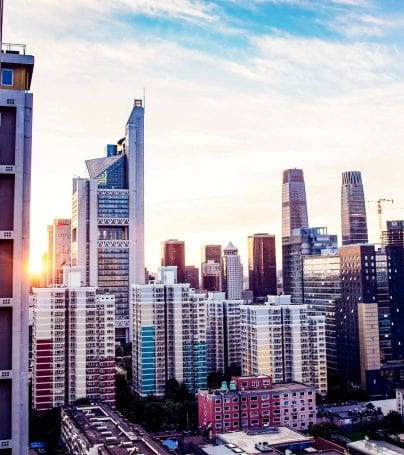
point(97, 166)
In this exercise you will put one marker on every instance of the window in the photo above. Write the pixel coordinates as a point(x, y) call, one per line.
point(7, 76)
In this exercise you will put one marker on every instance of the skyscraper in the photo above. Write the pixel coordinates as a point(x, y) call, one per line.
point(192, 276)
point(73, 343)
point(173, 253)
point(59, 249)
point(294, 205)
point(262, 265)
point(15, 181)
point(232, 273)
point(212, 253)
point(353, 209)
point(108, 219)
point(211, 270)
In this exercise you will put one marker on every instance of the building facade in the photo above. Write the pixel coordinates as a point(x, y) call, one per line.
point(108, 220)
point(192, 276)
point(59, 249)
point(232, 273)
point(285, 341)
point(73, 343)
point(262, 265)
point(254, 403)
point(169, 337)
point(173, 253)
point(15, 180)
point(353, 209)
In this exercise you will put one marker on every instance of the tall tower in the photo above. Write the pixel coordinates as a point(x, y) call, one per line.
point(294, 205)
point(232, 272)
point(353, 209)
point(15, 180)
point(173, 253)
point(59, 249)
point(262, 264)
point(108, 219)
point(211, 271)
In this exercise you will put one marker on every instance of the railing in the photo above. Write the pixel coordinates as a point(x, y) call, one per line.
point(13, 48)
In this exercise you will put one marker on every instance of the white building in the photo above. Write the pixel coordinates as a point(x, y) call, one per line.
point(15, 183)
point(108, 220)
point(73, 343)
point(285, 341)
point(232, 272)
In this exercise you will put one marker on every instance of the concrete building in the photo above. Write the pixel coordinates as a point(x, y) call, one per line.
point(254, 402)
point(370, 447)
point(173, 253)
point(283, 340)
point(59, 249)
point(73, 343)
point(321, 292)
point(15, 180)
point(353, 209)
point(169, 337)
point(356, 317)
point(262, 265)
point(97, 429)
point(211, 270)
point(232, 273)
point(192, 276)
point(108, 220)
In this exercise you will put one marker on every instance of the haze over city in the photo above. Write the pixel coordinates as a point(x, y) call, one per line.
point(236, 92)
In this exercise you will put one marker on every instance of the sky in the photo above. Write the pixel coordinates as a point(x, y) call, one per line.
point(236, 92)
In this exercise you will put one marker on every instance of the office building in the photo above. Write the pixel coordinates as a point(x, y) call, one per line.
point(48, 262)
point(59, 249)
point(285, 341)
point(303, 242)
point(294, 205)
point(249, 403)
point(262, 265)
point(353, 209)
point(212, 253)
point(192, 276)
point(108, 220)
point(173, 253)
point(98, 429)
point(169, 337)
point(73, 343)
point(321, 291)
point(15, 183)
point(211, 275)
point(232, 273)
point(356, 318)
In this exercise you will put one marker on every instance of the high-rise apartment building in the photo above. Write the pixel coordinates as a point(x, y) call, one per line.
point(108, 219)
point(262, 265)
point(59, 249)
point(321, 291)
point(353, 209)
point(285, 341)
point(356, 318)
point(232, 273)
point(294, 205)
point(173, 253)
point(169, 337)
point(15, 180)
point(73, 343)
point(303, 242)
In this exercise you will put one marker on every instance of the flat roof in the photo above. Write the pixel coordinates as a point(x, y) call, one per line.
point(246, 442)
point(370, 447)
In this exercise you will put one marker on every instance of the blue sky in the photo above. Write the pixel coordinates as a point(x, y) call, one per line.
point(237, 91)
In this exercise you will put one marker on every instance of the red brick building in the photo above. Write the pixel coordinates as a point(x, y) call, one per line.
point(254, 402)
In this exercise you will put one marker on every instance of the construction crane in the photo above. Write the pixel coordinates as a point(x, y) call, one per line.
point(380, 203)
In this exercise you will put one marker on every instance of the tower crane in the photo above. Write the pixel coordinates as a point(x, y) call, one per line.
point(380, 203)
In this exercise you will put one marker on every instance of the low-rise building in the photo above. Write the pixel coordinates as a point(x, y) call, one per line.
point(97, 429)
point(369, 447)
point(254, 402)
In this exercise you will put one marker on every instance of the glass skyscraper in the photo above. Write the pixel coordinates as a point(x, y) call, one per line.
point(353, 209)
point(108, 219)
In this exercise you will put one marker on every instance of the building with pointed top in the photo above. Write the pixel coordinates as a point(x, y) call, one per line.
point(108, 219)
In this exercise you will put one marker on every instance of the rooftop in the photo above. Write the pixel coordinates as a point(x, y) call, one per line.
point(247, 441)
point(370, 447)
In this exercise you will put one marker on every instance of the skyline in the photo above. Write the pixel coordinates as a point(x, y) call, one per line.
point(311, 79)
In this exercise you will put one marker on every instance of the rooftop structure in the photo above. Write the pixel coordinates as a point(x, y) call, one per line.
point(96, 428)
point(369, 447)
